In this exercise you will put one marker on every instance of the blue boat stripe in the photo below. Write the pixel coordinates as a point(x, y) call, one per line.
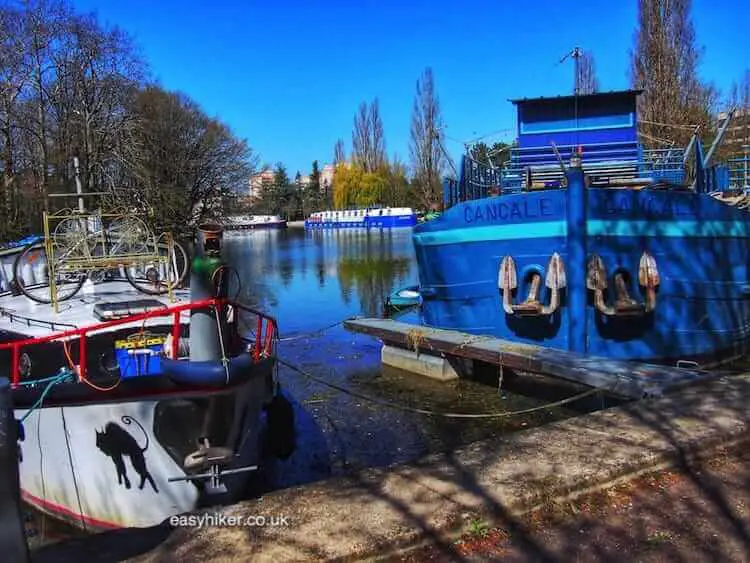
point(605, 228)
point(540, 229)
point(731, 229)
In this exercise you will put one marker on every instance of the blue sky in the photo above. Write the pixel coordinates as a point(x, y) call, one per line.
point(288, 75)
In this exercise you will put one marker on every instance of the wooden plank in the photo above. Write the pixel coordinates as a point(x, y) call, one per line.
point(620, 377)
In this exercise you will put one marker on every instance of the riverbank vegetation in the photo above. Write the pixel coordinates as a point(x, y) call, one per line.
point(70, 86)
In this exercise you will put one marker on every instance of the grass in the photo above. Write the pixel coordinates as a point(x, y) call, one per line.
point(478, 528)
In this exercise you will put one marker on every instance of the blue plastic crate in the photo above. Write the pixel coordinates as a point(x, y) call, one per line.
point(139, 356)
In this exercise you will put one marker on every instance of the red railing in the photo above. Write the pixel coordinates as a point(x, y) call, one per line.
point(264, 343)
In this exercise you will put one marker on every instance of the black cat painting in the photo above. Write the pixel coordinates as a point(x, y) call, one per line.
point(117, 443)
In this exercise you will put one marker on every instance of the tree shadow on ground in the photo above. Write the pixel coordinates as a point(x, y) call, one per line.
point(376, 512)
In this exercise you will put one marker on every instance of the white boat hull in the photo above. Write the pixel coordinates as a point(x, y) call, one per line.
point(70, 459)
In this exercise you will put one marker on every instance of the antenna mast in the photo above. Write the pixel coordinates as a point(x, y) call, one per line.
point(575, 54)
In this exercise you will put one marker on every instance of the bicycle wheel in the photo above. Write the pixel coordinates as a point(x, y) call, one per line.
point(72, 237)
point(31, 276)
point(128, 235)
point(158, 277)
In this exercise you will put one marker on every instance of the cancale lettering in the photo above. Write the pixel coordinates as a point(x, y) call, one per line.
point(516, 210)
point(649, 206)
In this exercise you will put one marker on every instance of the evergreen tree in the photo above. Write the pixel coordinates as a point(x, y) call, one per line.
point(315, 177)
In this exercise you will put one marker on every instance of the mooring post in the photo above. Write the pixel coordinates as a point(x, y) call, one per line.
point(577, 251)
point(12, 535)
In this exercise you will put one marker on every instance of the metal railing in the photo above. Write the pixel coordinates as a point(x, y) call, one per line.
point(264, 345)
point(739, 172)
point(540, 168)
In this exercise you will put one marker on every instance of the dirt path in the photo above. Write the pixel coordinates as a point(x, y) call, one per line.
point(700, 512)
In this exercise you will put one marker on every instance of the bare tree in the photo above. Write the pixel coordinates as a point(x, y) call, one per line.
point(665, 66)
point(376, 158)
point(339, 155)
point(428, 159)
point(739, 98)
point(587, 81)
point(368, 140)
point(361, 136)
point(71, 86)
point(185, 164)
point(13, 79)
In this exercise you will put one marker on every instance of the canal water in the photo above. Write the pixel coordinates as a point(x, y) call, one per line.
point(311, 281)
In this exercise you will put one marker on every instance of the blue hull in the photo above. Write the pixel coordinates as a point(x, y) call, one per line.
point(368, 223)
point(700, 245)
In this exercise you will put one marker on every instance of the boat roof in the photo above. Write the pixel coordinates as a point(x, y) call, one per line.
point(21, 315)
point(595, 95)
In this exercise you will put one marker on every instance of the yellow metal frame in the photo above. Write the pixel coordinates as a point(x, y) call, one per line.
point(106, 261)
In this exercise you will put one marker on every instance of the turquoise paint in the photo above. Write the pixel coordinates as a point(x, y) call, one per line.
point(540, 229)
point(549, 229)
point(591, 123)
point(689, 229)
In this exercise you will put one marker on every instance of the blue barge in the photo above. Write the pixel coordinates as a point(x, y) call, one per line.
point(589, 243)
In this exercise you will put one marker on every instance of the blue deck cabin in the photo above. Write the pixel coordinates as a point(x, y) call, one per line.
point(604, 126)
point(604, 123)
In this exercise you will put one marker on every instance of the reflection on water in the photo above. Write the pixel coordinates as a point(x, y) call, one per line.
point(311, 280)
point(308, 279)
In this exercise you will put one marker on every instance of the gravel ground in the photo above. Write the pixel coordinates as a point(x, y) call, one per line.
point(699, 512)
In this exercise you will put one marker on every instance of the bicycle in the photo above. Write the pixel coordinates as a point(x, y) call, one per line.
point(83, 248)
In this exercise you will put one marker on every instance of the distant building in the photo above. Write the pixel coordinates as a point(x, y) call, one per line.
point(258, 182)
point(737, 136)
point(326, 178)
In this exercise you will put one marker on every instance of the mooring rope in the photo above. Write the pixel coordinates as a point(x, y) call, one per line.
point(397, 313)
point(428, 412)
point(313, 333)
point(688, 126)
point(61, 377)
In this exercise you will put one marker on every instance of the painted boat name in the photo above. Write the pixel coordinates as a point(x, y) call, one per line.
point(508, 210)
point(653, 206)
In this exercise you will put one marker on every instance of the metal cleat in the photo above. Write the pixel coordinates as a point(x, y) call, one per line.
point(596, 275)
point(648, 277)
point(211, 460)
point(555, 280)
point(625, 305)
point(507, 280)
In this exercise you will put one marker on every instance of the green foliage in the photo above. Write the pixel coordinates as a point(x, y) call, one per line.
point(478, 528)
point(314, 184)
point(180, 164)
point(353, 187)
point(497, 155)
